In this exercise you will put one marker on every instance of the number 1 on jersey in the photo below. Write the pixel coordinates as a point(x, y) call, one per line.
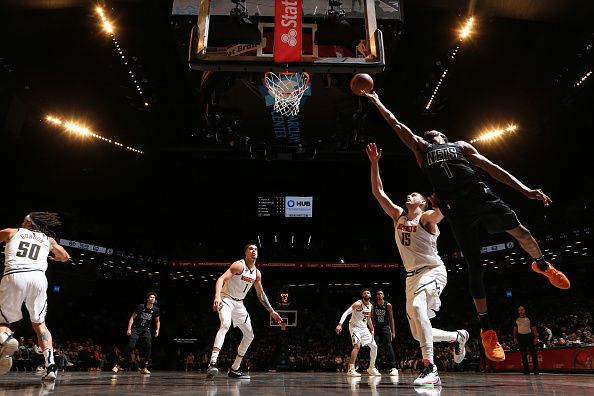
point(447, 169)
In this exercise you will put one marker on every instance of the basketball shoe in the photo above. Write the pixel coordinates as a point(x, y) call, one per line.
point(51, 372)
point(373, 371)
point(353, 373)
point(460, 349)
point(212, 370)
point(238, 374)
point(7, 349)
point(429, 375)
point(556, 277)
point(493, 349)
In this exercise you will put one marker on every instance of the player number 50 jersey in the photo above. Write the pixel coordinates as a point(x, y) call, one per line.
point(26, 251)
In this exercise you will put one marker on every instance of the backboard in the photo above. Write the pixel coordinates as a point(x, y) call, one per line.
point(289, 317)
point(237, 35)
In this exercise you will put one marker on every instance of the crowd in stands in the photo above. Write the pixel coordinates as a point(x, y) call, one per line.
point(312, 345)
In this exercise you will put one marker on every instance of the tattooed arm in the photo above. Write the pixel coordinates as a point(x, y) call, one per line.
point(264, 300)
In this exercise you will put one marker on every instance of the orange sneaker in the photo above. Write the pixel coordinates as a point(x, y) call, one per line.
point(493, 349)
point(556, 277)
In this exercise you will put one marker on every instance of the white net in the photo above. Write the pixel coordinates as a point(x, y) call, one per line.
point(287, 90)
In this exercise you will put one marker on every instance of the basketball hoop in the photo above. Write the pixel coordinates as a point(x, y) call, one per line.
point(287, 89)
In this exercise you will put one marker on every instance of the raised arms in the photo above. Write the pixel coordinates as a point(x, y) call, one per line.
point(410, 140)
point(377, 188)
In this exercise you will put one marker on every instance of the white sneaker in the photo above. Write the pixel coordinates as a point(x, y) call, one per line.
point(116, 368)
point(460, 349)
point(373, 371)
point(353, 373)
point(394, 372)
point(7, 349)
point(428, 377)
point(145, 371)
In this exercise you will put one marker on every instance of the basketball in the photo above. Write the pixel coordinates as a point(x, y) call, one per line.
point(361, 82)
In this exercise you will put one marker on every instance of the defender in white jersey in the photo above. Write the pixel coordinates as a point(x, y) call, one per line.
point(26, 253)
point(361, 330)
point(230, 290)
point(416, 233)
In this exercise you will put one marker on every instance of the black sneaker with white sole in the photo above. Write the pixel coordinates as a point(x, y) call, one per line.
point(238, 374)
point(51, 372)
point(212, 371)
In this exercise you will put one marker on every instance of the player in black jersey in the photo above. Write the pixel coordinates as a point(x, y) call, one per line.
point(382, 316)
point(139, 327)
point(470, 205)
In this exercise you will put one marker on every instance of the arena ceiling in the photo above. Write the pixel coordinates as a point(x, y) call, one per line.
point(522, 65)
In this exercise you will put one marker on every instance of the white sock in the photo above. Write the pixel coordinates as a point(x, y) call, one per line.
point(427, 352)
point(442, 335)
point(48, 354)
point(214, 356)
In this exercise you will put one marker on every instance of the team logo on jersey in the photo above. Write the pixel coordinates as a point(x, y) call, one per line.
point(247, 279)
point(406, 228)
point(441, 154)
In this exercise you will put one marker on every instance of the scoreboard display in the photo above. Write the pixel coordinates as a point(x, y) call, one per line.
point(285, 206)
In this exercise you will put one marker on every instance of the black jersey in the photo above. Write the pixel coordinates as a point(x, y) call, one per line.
point(144, 316)
point(448, 170)
point(381, 316)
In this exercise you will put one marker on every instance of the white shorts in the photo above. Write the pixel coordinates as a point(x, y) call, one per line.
point(234, 311)
point(432, 281)
point(360, 335)
point(23, 287)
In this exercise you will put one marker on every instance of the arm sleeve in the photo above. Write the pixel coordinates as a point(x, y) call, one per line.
point(345, 314)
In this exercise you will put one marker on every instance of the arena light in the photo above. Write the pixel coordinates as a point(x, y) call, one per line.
point(109, 28)
point(584, 78)
point(466, 30)
point(464, 34)
point(81, 130)
point(443, 75)
point(495, 133)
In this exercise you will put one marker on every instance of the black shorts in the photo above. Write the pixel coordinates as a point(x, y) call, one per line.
point(480, 208)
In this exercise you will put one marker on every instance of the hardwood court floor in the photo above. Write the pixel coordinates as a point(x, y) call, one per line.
point(297, 384)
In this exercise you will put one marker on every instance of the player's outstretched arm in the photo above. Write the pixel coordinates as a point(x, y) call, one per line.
point(410, 140)
point(377, 188)
point(501, 175)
